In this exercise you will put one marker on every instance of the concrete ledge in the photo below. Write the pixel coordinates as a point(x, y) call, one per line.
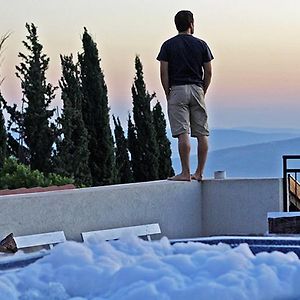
point(182, 209)
point(37, 189)
point(176, 206)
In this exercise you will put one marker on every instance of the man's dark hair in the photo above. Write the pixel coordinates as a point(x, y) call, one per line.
point(183, 20)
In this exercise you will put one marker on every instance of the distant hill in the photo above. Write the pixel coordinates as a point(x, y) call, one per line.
point(258, 160)
point(268, 130)
point(228, 138)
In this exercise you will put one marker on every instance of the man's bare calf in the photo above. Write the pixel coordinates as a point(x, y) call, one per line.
point(202, 155)
point(184, 148)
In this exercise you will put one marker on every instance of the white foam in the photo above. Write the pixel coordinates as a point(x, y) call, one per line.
point(133, 269)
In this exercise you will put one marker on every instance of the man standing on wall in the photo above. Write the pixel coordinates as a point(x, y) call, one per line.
point(185, 72)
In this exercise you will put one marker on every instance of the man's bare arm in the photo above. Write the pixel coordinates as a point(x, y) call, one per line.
point(164, 77)
point(207, 75)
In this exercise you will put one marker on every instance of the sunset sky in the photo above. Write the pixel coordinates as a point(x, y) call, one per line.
point(256, 45)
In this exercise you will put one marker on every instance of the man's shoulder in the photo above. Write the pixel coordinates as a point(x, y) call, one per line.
point(171, 40)
point(199, 40)
point(178, 37)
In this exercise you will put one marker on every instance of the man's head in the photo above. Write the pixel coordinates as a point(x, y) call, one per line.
point(184, 21)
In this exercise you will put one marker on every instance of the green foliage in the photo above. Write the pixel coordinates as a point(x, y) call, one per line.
point(34, 122)
point(73, 146)
point(124, 172)
point(3, 136)
point(84, 142)
point(133, 147)
point(95, 114)
point(164, 146)
point(14, 175)
point(15, 124)
point(15, 149)
point(3, 39)
point(56, 179)
point(145, 152)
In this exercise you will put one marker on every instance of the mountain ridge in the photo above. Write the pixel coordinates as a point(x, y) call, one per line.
point(257, 160)
point(227, 138)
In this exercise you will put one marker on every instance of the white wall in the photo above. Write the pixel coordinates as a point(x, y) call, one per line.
point(176, 206)
point(182, 209)
point(239, 206)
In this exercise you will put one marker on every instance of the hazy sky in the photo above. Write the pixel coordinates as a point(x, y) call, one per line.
point(256, 46)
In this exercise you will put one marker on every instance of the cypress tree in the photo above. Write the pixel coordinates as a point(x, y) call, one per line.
point(3, 135)
point(133, 148)
point(15, 147)
point(95, 113)
point(3, 39)
point(38, 133)
point(9, 146)
point(164, 146)
point(124, 172)
point(73, 154)
point(147, 151)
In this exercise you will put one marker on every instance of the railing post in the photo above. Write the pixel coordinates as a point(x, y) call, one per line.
point(285, 196)
point(296, 185)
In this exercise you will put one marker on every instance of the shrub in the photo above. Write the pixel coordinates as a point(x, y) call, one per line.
point(15, 175)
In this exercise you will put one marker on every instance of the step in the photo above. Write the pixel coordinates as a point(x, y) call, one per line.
point(284, 222)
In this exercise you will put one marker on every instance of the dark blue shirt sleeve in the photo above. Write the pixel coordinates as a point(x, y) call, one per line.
point(207, 55)
point(163, 53)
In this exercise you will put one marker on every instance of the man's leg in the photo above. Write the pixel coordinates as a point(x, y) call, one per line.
point(184, 148)
point(202, 155)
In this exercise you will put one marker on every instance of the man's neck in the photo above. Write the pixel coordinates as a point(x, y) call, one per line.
point(186, 32)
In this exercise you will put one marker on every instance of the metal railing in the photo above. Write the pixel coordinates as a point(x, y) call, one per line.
point(286, 173)
point(294, 193)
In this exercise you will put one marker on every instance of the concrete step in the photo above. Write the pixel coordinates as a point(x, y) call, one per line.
point(284, 222)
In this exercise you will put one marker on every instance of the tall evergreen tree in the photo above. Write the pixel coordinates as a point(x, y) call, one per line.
point(164, 146)
point(3, 39)
point(3, 136)
point(16, 149)
point(38, 132)
point(95, 113)
point(9, 145)
point(147, 151)
point(133, 148)
point(72, 151)
point(123, 167)
point(15, 146)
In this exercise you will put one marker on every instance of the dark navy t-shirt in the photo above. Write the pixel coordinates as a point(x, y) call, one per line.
point(185, 55)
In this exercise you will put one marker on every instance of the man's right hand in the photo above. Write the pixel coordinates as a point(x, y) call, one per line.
point(207, 75)
point(164, 77)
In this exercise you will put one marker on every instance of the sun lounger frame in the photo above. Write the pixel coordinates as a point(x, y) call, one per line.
point(116, 233)
point(41, 239)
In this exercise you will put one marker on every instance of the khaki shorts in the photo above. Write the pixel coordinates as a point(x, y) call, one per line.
point(186, 109)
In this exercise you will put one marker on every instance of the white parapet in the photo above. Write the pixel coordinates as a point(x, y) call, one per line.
point(182, 209)
point(239, 206)
point(175, 206)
